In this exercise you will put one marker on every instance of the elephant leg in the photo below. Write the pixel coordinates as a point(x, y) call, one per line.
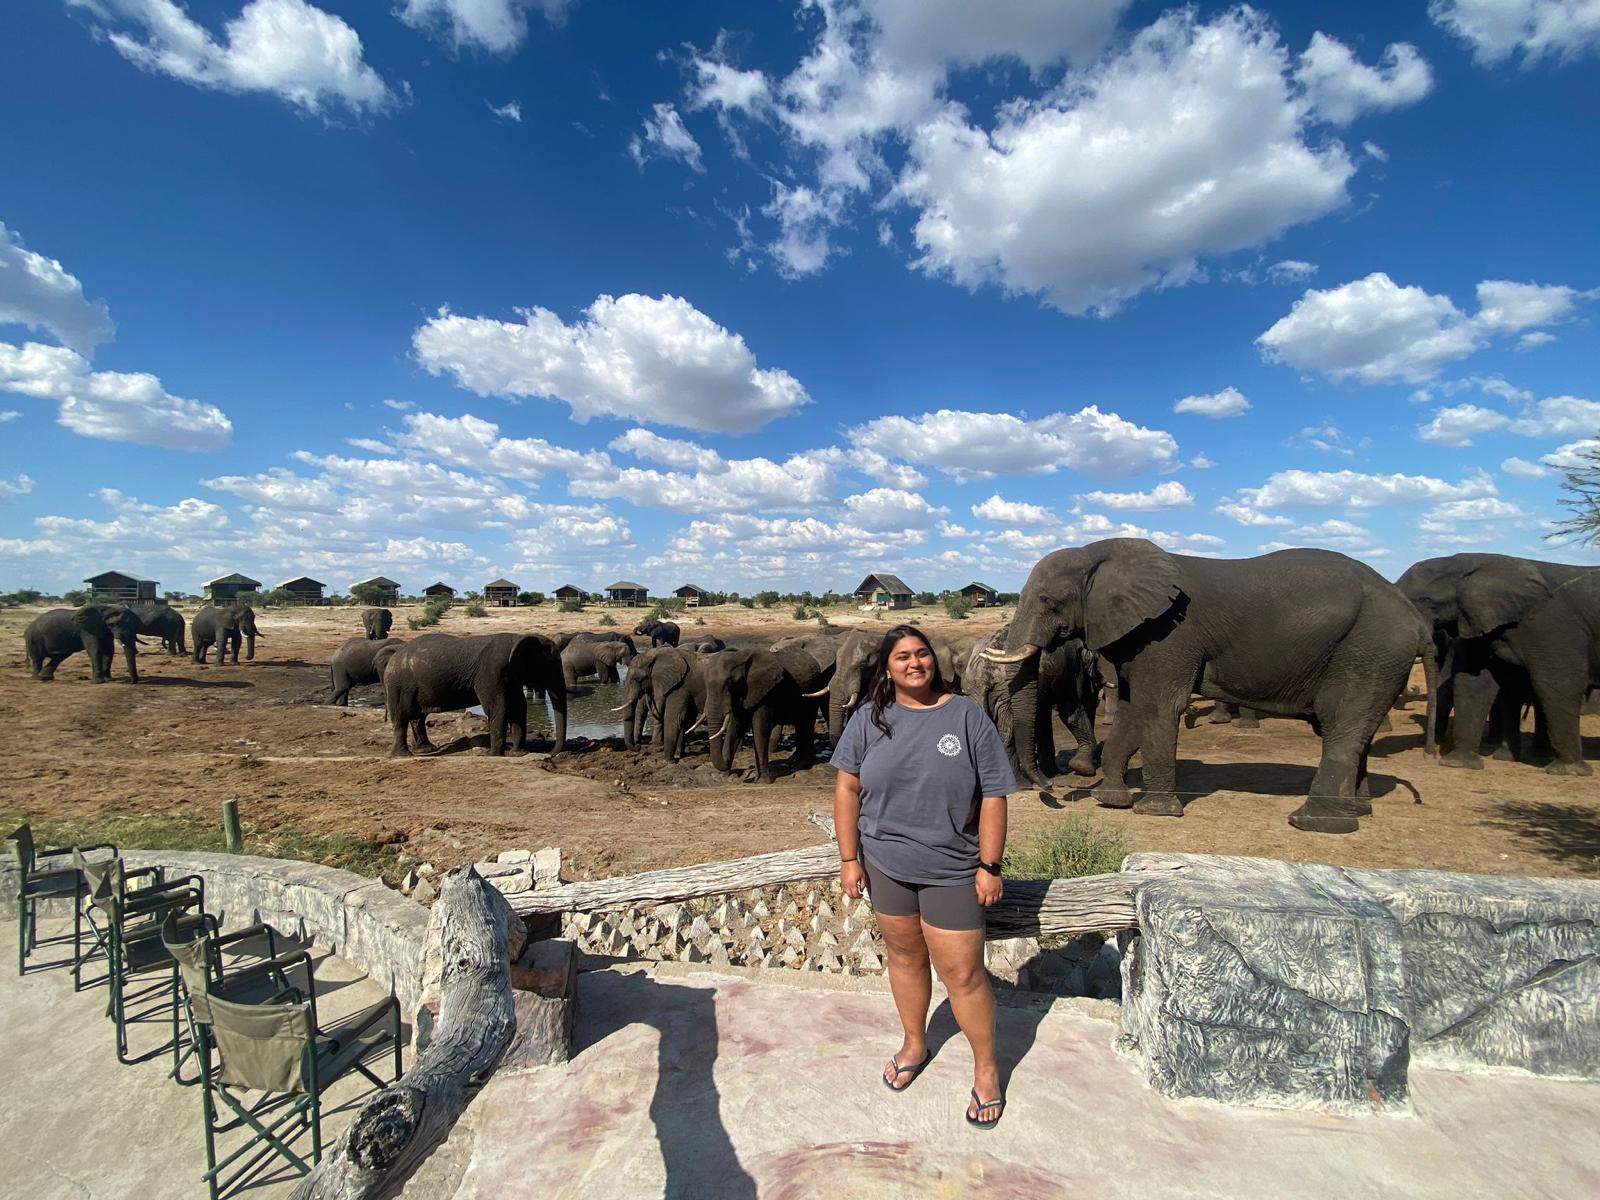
point(1249, 718)
point(1591, 703)
point(47, 671)
point(1080, 721)
point(399, 724)
point(419, 735)
point(1540, 750)
point(1558, 692)
point(1475, 693)
point(516, 721)
point(805, 738)
point(1222, 713)
point(1502, 736)
point(1120, 746)
point(761, 730)
point(1158, 743)
point(1331, 805)
point(341, 692)
point(99, 667)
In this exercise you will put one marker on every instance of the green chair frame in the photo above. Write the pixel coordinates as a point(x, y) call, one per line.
point(280, 1050)
point(36, 882)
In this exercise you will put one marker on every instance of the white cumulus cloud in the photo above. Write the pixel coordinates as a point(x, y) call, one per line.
point(40, 293)
point(10, 489)
point(664, 136)
point(1341, 88)
point(1229, 402)
point(882, 509)
point(1523, 469)
point(1013, 512)
point(671, 452)
point(1352, 490)
point(286, 48)
point(1459, 424)
point(1170, 494)
point(657, 360)
point(1562, 30)
point(497, 26)
point(115, 406)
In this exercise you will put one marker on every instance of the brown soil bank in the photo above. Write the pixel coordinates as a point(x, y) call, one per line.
point(309, 776)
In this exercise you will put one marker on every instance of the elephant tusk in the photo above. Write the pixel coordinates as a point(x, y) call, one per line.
point(698, 721)
point(1016, 656)
point(622, 708)
point(814, 695)
point(723, 730)
point(851, 702)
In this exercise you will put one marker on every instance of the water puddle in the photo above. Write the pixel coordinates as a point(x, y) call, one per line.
point(589, 708)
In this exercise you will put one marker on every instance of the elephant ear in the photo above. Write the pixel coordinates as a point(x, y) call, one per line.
point(763, 674)
point(1135, 582)
point(1496, 593)
point(668, 670)
point(945, 656)
point(524, 656)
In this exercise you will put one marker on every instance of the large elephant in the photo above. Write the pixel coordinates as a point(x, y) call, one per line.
point(824, 647)
point(1023, 700)
point(440, 672)
point(359, 661)
point(598, 659)
point(164, 622)
point(96, 629)
point(377, 622)
point(760, 690)
point(1299, 633)
point(856, 663)
point(1476, 605)
point(668, 684)
point(660, 633)
point(226, 627)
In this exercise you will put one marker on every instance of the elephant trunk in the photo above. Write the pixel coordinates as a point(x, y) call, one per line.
point(557, 692)
point(250, 646)
point(1023, 689)
point(1430, 672)
point(723, 741)
point(130, 654)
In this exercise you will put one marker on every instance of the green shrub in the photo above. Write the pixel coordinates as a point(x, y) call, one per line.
point(1071, 847)
point(530, 598)
point(800, 613)
point(366, 593)
point(606, 621)
point(475, 608)
point(77, 599)
point(571, 605)
point(432, 611)
point(20, 596)
point(699, 620)
point(748, 602)
point(821, 620)
point(957, 605)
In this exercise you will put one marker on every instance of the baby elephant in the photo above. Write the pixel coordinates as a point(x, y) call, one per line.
point(377, 622)
point(660, 633)
point(359, 661)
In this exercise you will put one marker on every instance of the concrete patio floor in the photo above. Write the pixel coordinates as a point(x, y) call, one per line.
point(76, 1124)
point(691, 1084)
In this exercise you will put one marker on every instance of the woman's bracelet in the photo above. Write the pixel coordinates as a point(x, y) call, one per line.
point(842, 861)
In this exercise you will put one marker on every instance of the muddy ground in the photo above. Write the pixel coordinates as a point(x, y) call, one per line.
point(189, 736)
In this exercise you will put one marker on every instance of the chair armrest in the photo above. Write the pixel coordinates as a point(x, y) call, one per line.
point(389, 1007)
point(193, 882)
point(279, 965)
point(62, 852)
point(257, 930)
point(140, 872)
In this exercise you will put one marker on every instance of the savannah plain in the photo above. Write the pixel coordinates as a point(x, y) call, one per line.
point(150, 765)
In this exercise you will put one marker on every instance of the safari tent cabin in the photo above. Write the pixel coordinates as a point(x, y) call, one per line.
point(623, 592)
point(225, 588)
point(304, 590)
point(439, 591)
point(692, 596)
point(981, 595)
point(115, 587)
point(567, 592)
point(501, 592)
point(388, 589)
point(886, 591)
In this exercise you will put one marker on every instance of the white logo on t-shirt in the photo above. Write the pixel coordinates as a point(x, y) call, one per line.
point(949, 745)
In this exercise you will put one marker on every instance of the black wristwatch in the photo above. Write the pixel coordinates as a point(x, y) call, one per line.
point(992, 868)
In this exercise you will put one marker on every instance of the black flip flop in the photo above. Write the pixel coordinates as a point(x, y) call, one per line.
point(983, 1104)
point(899, 1071)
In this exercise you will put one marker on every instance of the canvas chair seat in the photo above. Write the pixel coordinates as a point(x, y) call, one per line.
point(45, 885)
point(349, 1040)
point(143, 952)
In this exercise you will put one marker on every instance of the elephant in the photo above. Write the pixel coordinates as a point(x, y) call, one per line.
point(441, 672)
point(707, 644)
point(599, 659)
point(760, 690)
point(164, 622)
point(856, 662)
point(359, 661)
point(1070, 676)
point(377, 622)
point(660, 633)
point(1476, 605)
point(1300, 633)
point(823, 647)
point(1223, 713)
point(96, 629)
point(666, 683)
point(225, 627)
point(563, 640)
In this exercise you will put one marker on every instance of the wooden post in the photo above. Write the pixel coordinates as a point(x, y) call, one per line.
point(230, 827)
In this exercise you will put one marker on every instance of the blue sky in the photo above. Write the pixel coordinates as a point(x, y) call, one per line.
point(774, 295)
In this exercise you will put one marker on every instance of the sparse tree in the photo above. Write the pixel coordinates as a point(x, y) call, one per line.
point(1580, 487)
point(366, 593)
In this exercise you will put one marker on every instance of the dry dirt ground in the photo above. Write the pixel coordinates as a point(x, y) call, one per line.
point(189, 736)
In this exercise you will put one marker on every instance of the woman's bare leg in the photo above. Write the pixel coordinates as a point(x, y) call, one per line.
point(958, 957)
point(912, 987)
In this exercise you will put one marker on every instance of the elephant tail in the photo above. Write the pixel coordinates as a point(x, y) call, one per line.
point(1430, 672)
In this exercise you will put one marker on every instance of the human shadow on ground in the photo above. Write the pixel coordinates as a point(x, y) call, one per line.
point(696, 1150)
point(1567, 833)
point(1016, 1029)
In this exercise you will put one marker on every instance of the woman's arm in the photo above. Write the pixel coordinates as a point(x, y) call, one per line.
point(991, 847)
point(846, 821)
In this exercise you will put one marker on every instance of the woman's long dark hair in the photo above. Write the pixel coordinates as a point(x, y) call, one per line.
point(882, 690)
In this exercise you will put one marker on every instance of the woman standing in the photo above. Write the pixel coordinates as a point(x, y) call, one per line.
point(920, 811)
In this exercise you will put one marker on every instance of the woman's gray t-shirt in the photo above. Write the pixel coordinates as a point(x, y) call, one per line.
point(922, 788)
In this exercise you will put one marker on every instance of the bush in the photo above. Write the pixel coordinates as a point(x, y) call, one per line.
point(957, 605)
point(821, 620)
point(748, 602)
point(800, 613)
point(571, 605)
point(767, 599)
point(1072, 847)
point(77, 599)
point(366, 593)
point(924, 598)
point(432, 611)
point(475, 608)
point(20, 596)
point(699, 620)
point(606, 621)
point(530, 598)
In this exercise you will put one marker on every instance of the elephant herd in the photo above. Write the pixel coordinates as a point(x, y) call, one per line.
point(98, 629)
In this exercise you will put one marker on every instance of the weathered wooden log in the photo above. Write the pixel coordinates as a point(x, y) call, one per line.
point(1030, 908)
point(396, 1128)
